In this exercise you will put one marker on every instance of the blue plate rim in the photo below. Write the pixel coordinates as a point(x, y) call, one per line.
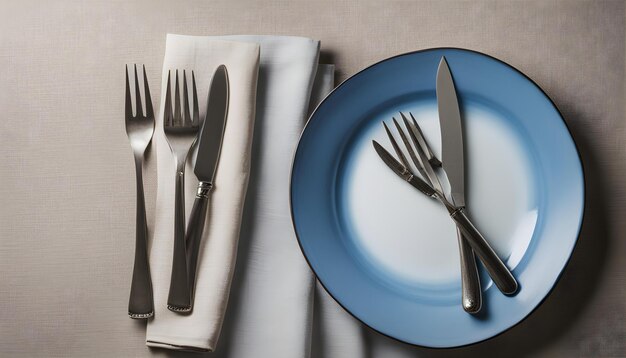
point(584, 197)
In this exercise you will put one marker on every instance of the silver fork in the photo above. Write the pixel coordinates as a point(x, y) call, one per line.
point(139, 129)
point(500, 274)
point(470, 282)
point(181, 130)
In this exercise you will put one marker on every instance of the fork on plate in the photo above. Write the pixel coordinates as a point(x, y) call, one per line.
point(499, 272)
point(139, 128)
point(181, 130)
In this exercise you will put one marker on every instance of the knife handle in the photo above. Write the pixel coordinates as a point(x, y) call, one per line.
point(498, 271)
point(178, 299)
point(194, 231)
point(140, 303)
point(470, 282)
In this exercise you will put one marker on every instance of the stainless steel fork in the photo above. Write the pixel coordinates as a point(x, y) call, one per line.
point(181, 130)
point(139, 129)
point(499, 272)
point(470, 281)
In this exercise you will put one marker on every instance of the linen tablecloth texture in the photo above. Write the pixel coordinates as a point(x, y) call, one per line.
point(200, 329)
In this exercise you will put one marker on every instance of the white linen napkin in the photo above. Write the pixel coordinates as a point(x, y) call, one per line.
point(200, 329)
point(270, 312)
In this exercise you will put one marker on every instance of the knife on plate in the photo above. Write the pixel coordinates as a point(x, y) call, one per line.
point(453, 163)
point(207, 159)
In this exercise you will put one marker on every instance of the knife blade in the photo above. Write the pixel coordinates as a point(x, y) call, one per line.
point(212, 132)
point(401, 170)
point(205, 168)
point(451, 133)
point(453, 164)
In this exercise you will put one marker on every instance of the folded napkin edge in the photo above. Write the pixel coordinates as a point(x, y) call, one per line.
point(255, 40)
point(181, 344)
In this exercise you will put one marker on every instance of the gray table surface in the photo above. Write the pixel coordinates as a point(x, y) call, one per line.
point(67, 180)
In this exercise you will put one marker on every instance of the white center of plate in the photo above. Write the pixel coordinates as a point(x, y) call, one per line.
point(409, 237)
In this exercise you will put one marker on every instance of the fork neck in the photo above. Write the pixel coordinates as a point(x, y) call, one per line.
point(180, 164)
point(138, 154)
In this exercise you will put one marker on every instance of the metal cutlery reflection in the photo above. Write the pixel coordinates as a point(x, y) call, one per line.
point(181, 130)
point(139, 128)
point(498, 271)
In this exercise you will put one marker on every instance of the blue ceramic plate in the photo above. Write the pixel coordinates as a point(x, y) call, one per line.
point(387, 253)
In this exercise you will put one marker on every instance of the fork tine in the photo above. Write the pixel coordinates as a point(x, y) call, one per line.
point(167, 115)
point(420, 139)
point(186, 115)
point(418, 163)
point(196, 114)
point(138, 105)
point(129, 107)
point(412, 134)
point(149, 111)
point(396, 148)
point(427, 166)
point(417, 137)
point(423, 143)
point(177, 114)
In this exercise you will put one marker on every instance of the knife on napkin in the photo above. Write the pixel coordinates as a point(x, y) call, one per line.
point(209, 148)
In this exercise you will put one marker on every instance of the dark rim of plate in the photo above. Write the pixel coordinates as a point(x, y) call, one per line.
point(579, 227)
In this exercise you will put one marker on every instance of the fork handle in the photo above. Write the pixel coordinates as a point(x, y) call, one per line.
point(178, 299)
point(498, 271)
point(470, 282)
point(140, 303)
point(195, 229)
